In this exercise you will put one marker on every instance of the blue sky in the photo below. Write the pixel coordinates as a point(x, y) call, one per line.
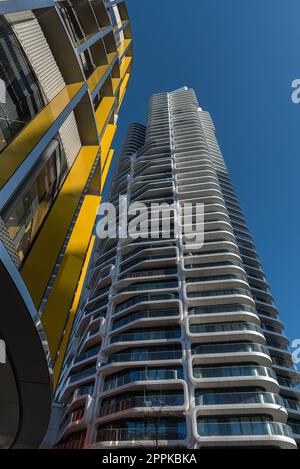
point(240, 56)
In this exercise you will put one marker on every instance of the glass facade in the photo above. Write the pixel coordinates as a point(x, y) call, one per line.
point(25, 214)
point(22, 98)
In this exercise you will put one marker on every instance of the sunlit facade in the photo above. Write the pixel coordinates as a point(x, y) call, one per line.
point(65, 67)
point(175, 344)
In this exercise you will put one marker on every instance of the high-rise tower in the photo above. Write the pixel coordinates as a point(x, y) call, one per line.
point(175, 343)
point(64, 69)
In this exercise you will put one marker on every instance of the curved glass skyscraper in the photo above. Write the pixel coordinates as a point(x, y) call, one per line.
point(177, 342)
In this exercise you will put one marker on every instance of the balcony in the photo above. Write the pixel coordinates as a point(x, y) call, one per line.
point(221, 309)
point(85, 356)
point(212, 293)
point(143, 375)
point(230, 348)
point(160, 401)
point(239, 398)
point(88, 373)
point(145, 356)
point(149, 273)
point(233, 371)
point(149, 335)
point(148, 286)
point(139, 260)
point(145, 298)
point(224, 327)
point(148, 314)
point(245, 429)
point(140, 434)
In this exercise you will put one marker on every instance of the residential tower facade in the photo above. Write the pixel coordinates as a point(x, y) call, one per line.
point(177, 343)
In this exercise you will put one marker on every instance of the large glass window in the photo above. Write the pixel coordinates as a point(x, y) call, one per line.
point(25, 214)
point(22, 98)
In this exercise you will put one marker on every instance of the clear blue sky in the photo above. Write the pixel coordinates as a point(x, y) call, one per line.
point(240, 56)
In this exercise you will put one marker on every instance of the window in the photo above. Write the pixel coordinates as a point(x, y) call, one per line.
point(23, 99)
point(25, 214)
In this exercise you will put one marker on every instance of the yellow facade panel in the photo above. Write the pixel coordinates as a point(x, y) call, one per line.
point(96, 76)
point(124, 46)
point(115, 84)
point(72, 315)
point(125, 66)
point(17, 151)
point(42, 258)
point(103, 111)
point(106, 142)
point(62, 294)
point(123, 89)
point(106, 168)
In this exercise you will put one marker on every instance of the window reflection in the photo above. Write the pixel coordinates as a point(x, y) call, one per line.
point(26, 213)
point(23, 98)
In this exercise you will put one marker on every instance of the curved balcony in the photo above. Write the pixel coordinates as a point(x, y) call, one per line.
point(237, 402)
point(227, 330)
point(232, 376)
point(136, 376)
point(145, 286)
point(215, 278)
point(239, 433)
point(131, 437)
point(149, 315)
point(132, 404)
point(145, 299)
point(147, 335)
point(292, 406)
point(218, 297)
point(145, 356)
point(157, 259)
point(234, 351)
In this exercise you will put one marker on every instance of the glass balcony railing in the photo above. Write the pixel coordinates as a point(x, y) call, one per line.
point(290, 404)
point(142, 245)
point(126, 434)
point(155, 313)
point(101, 292)
point(237, 398)
point(244, 429)
point(143, 298)
point(143, 375)
point(211, 278)
point(288, 383)
point(295, 427)
point(230, 348)
point(85, 356)
point(83, 374)
point(221, 309)
point(224, 327)
point(233, 371)
point(147, 258)
point(232, 291)
point(145, 356)
point(96, 305)
point(148, 286)
point(85, 390)
point(161, 401)
point(150, 273)
point(281, 362)
point(151, 335)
